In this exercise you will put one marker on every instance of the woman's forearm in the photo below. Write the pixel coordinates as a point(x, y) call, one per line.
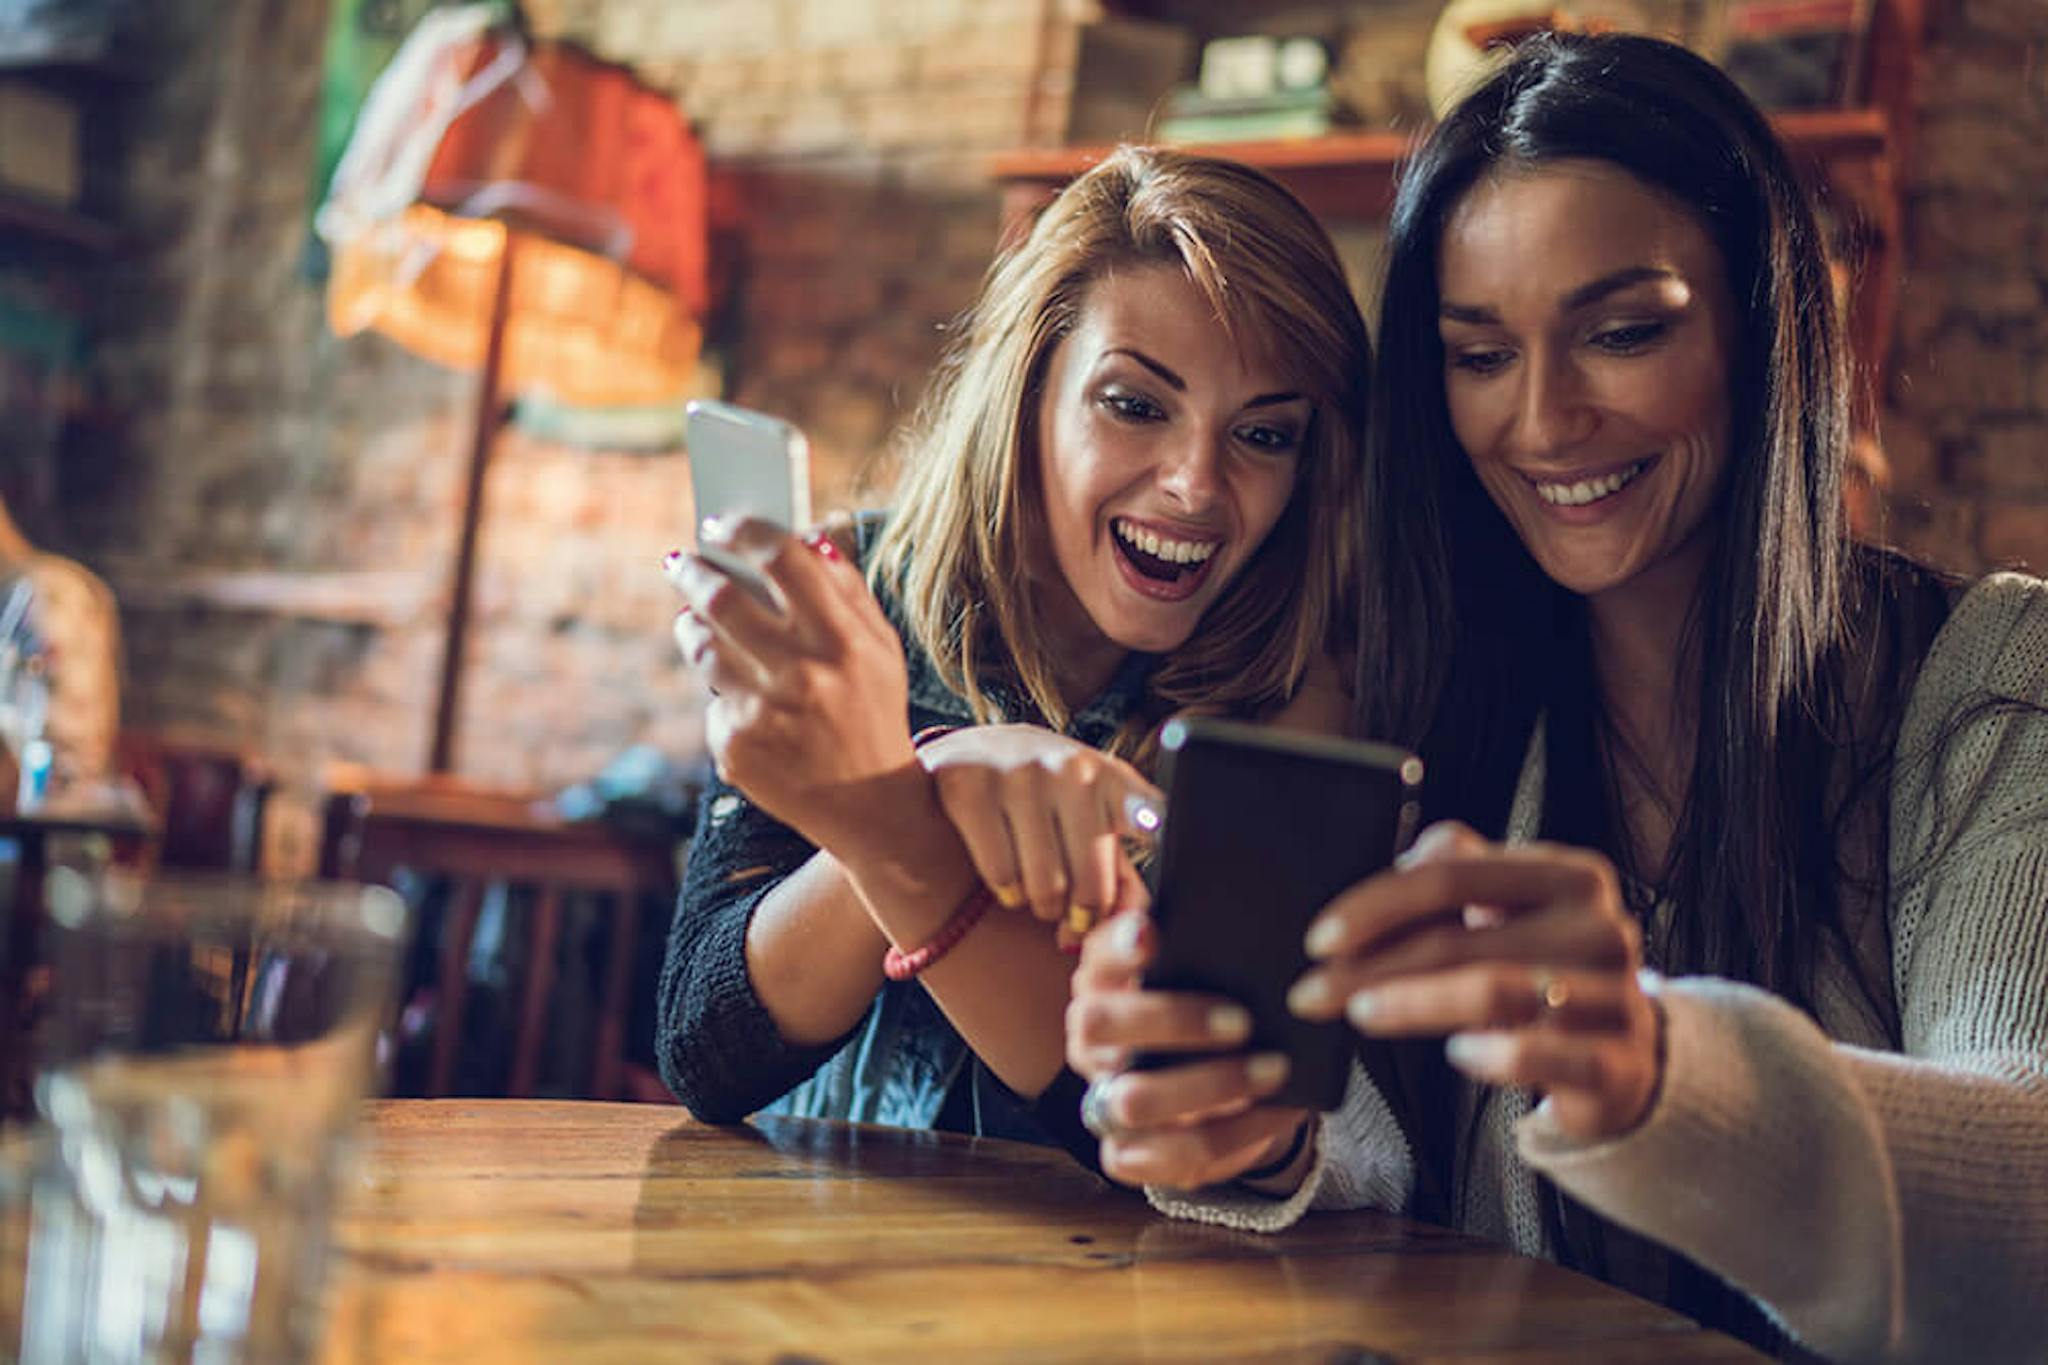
point(1004, 985)
point(814, 954)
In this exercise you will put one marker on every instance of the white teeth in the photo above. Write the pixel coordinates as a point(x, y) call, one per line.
point(1588, 490)
point(1159, 547)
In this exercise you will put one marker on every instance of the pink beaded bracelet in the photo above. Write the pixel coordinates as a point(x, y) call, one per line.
point(898, 965)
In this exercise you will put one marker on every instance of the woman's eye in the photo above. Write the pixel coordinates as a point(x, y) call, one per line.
point(1274, 440)
point(1632, 337)
point(1131, 407)
point(1481, 362)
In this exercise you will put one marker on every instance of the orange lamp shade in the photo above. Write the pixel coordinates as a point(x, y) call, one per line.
point(595, 184)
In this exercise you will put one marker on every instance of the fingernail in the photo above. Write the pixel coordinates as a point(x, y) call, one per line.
point(1142, 814)
point(1325, 937)
point(1072, 947)
point(1009, 895)
point(1311, 996)
point(1428, 843)
point(1230, 1023)
point(1481, 917)
point(1129, 929)
point(1267, 1070)
point(1478, 1054)
point(1080, 919)
point(1361, 1007)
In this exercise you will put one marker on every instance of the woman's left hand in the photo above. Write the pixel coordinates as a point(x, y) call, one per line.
point(808, 703)
point(1524, 955)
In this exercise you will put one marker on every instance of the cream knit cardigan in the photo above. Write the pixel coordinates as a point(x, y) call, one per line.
point(1880, 1205)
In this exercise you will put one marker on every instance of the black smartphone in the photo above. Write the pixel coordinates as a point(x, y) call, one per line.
point(1263, 828)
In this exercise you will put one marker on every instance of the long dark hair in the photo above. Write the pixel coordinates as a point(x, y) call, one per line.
point(1474, 638)
point(1465, 640)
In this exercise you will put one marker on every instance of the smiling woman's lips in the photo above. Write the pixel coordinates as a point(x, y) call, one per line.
point(1159, 579)
point(1594, 509)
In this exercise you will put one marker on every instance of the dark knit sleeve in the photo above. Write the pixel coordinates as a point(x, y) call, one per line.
point(718, 1049)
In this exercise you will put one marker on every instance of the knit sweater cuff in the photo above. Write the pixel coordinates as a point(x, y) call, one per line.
point(1245, 1210)
point(1801, 1225)
point(753, 1065)
point(1362, 1161)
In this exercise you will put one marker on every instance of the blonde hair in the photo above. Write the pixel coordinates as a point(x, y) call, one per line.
point(967, 518)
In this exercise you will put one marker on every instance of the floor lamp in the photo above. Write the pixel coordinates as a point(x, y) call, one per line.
point(526, 212)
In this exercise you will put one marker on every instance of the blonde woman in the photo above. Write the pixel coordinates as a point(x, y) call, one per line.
point(1129, 493)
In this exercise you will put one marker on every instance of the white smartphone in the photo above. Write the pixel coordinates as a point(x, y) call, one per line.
point(746, 463)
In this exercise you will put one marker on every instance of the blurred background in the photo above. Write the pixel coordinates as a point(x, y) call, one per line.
point(278, 509)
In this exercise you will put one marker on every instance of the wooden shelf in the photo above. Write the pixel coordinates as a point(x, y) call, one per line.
point(52, 223)
point(379, 599)
point(1351, 175)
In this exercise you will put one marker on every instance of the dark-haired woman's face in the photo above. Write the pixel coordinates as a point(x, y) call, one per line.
point(1587, 326)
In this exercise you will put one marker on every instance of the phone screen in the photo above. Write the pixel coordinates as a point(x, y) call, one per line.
point(1263, 828)
point(747, 463)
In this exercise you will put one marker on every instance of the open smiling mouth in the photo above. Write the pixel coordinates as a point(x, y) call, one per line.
point(1161, 566)
point(1586, 492)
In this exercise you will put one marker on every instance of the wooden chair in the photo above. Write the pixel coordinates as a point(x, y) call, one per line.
point(209, 800)
point(374, 830)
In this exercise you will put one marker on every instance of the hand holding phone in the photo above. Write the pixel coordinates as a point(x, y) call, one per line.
point(1263, 828)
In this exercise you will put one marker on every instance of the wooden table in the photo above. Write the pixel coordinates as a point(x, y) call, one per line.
point(519, 1231)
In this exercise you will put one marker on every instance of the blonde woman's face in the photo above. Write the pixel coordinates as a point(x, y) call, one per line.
point(1587, 329)
point(1165, 459)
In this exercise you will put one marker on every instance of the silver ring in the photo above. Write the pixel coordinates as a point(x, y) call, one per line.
point(1095, 1116)
point(1552, 992)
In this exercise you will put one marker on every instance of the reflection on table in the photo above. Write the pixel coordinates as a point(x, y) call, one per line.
point(508, 1230)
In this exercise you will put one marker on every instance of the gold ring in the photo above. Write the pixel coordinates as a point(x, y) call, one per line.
point(1552, 993)
point(1080, 919)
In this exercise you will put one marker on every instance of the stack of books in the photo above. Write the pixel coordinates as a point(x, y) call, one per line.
point(1252, 87)
point(1191, 116)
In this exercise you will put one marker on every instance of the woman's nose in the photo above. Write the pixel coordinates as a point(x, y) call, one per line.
point(1555, 413)
point(1192, 472)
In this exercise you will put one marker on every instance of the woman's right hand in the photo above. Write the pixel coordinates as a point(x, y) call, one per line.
point(1044, 817)
point(1184, 1126)
point(807, 700)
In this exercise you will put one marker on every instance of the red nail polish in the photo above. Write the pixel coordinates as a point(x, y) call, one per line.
point(825, 547)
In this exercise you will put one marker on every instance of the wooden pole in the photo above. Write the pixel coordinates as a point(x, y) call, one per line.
point(490, 416)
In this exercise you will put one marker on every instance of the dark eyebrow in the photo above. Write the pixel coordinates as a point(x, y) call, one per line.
point(1267, 400)
point(1578, 298)
point(1178, 384)
point(1614, 283)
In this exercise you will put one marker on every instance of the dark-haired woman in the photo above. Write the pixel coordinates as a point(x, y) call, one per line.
point(1609, 595)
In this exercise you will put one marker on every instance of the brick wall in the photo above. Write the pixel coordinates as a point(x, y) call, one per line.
point(1966, 425)
point(857, 131)
point(857, 134)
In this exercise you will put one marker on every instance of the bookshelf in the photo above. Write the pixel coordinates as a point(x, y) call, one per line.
point(1854, 157)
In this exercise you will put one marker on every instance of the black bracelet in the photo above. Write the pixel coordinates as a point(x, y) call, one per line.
point(1279, 1165)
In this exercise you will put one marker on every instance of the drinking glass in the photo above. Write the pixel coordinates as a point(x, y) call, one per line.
point(208, 1043)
